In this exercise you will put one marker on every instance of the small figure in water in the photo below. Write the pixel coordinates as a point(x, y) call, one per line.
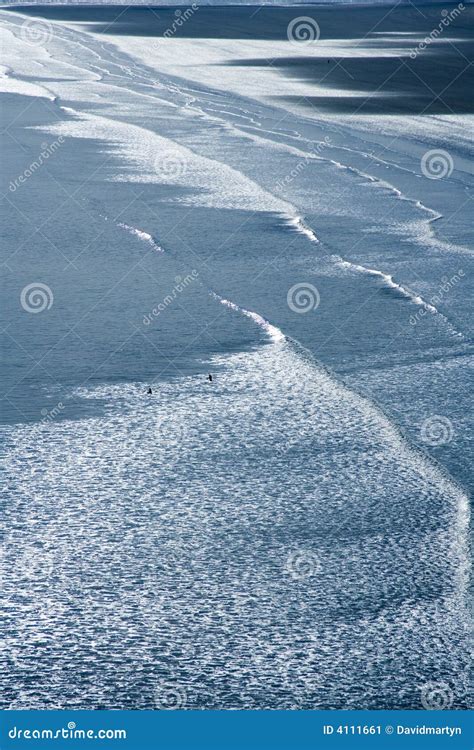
point(149, 391)
point(209, 377)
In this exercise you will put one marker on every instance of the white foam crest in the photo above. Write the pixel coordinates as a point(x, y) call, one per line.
point(389, 281)
point(404, 291)
point(299, 225)
point(141, 235)
point(272, 331)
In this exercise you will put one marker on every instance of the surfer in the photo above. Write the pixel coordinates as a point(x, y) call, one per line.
point(149, 391)
point(209, 377)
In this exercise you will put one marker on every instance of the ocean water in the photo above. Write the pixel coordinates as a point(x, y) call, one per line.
point(293, 534)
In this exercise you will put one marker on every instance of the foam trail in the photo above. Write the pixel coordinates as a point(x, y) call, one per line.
point(143, 236)
point(404, 291)
point(297, 223)
point(388, 280)
point(273, 332)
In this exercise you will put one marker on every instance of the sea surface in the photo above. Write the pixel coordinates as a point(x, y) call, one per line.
point(200, 191)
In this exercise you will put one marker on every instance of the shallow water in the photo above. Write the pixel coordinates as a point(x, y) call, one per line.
point(282, 537)
point(206, 539)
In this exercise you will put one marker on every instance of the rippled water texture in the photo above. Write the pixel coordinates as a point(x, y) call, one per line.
point(263, 541)
point(285, 535)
